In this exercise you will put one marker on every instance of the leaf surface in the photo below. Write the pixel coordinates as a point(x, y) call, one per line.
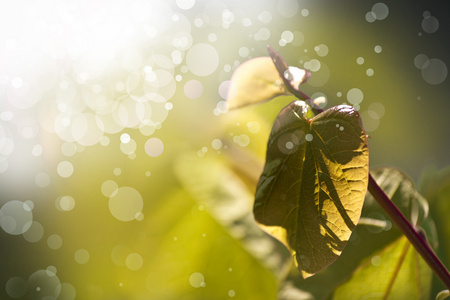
point(254, 81)
point(368, 239)
point(312, 189)
point(397, 272)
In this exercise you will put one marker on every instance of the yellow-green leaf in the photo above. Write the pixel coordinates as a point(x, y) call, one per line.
point(442, 295)
point(223, 194)
point(397, 272)
point(311, 191)
point(254, 81)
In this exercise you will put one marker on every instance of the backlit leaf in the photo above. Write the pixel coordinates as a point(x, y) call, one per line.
point(442, 295)
point(397, 272)
point(368, 239)
point(254, 81)
point(292, 77)
point(312, 189)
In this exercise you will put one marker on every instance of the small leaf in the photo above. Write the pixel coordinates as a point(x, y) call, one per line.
point(445, 294)
point(293, 77)
point(397, 272)
point(311, 191)
point(254, 81)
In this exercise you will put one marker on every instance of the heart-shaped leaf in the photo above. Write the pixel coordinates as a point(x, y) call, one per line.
point(311, 191)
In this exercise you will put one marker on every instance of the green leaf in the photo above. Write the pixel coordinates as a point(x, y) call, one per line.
point(435, 186)
point(400, 188)
point(198, 259)
point(445, 294)
point(397, 272)
point(225, 197)
point(367, 239)
point(311, 191)
point(254, 81)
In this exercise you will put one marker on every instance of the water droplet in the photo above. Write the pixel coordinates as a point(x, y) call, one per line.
point(125, 204)
point(430, 24)
point(287, 8)
point(82, 256)
point(421, 61)
point(380, 10)
point(435, 71)
point(197, 280)
point(65, 169)
point(15, 217)
point(193, 89)
point(370, 17)
point(43, 285)
point(321, 50)
point(287, 36)
point(197, 62)
point(16, 287)
point(376, 260)
point(355, 96)
point(185, 4)
point(154, 147)
point(134, 261)
point(34, 233)
point(216, 144)
point(65, 203)
point(54, 242)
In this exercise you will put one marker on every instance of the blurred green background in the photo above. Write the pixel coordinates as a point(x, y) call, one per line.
point(123, 175)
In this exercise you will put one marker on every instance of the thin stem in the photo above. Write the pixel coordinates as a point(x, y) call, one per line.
point(419, 243)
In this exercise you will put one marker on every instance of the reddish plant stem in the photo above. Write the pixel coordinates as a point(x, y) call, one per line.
point(419, 243)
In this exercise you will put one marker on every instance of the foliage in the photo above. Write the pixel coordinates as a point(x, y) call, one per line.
point(310, 196)
point(312, 189)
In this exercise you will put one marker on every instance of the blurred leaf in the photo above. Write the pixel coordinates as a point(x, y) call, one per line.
point(254, 81)
point(397, 272)
point(198, 259)
point(401, 190)
point(435, 186)
point(312, 189)
point(223, 194)
point(442, 295)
